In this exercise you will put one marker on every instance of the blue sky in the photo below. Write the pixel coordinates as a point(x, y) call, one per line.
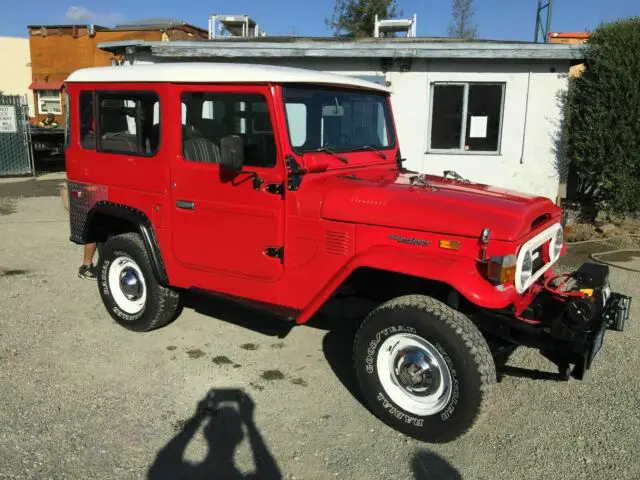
point(497, 19)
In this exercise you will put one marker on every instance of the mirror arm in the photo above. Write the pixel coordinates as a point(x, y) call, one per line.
point(257, 180)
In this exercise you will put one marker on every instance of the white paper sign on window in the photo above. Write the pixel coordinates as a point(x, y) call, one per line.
point(8, 119)
point(478, 127)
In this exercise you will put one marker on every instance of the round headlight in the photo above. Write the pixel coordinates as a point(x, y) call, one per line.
point(527, 268)
point(556, 245)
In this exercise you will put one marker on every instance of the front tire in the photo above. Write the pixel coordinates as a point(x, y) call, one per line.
point(128, 287)
point(423, 368)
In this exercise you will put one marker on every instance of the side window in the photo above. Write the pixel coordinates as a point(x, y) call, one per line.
point(67, 119)
point(209, 117)
point(87, 121)
point(129, 122)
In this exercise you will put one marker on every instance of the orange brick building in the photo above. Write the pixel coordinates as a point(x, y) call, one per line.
point(59, 50)
point(570, 37)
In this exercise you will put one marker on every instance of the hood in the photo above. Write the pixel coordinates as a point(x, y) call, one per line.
point(444, 206)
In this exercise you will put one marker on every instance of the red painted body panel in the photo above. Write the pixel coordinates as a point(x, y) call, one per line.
point(337, 221)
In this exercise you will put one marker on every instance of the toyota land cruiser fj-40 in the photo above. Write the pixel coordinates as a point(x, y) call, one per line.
point(279, 187)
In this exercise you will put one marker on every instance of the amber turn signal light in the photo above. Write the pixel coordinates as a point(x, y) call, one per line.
point(502, 270)
point(449, 244)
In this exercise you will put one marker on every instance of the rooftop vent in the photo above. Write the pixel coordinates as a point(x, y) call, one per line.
point(388, 28)
point(225, 26)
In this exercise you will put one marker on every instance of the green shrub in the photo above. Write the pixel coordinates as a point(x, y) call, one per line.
point(603, 119)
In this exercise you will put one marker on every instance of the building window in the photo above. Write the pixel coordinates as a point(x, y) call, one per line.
point(466, 117)
point(49, 102)
point(126, 123)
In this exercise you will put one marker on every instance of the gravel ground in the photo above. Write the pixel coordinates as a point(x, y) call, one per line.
point(82, 398)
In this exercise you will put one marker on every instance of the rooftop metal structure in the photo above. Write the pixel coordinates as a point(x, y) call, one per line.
point(233, 26)
point(385, 28)
point(543, 29)
point(278, 47)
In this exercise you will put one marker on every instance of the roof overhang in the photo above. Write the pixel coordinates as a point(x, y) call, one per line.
point(46, 86)
point(374, 48)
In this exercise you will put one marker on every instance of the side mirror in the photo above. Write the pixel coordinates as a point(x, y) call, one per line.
point(232, 152)
point(314, 162)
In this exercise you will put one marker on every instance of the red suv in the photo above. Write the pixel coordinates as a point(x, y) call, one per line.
point(280, 187)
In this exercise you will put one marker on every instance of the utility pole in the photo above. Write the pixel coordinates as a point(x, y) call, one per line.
point(543, 28)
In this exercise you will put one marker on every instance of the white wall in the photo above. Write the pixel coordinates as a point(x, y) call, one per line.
point(15, 63)
point(532, 169)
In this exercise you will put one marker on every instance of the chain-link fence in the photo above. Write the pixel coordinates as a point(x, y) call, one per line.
point(16, 156)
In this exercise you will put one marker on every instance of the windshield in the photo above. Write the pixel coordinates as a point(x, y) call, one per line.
point(339, 120)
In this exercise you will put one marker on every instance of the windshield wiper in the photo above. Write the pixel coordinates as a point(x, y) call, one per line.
point(370, 148)
point(330, 151)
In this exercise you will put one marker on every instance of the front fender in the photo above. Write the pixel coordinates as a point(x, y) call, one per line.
point(461, 273)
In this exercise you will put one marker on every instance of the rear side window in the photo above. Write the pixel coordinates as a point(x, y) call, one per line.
point(87, 121)
point(126, 122)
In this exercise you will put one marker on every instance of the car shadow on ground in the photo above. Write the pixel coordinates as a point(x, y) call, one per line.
point(430, 466)
point(224, 415)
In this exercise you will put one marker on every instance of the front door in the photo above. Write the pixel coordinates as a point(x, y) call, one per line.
point(227, 222)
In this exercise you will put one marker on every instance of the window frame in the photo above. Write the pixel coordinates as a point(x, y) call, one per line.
point(78, 129)
point(67, 120)
point(97, 98)
point(465, 111)
point(392, 135)
point(41, 99)
point(237, 90)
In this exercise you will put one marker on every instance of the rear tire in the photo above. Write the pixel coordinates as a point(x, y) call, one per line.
point(129, 288)
point(423, 368)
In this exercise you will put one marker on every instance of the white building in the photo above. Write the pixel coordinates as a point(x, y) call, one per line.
point(15, 61)
point(491, 111)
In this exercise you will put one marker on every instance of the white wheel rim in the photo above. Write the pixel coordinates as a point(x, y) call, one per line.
point(127, 285)
point(414, 374)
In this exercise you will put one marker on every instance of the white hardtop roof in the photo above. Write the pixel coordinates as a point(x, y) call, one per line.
point(188, 72)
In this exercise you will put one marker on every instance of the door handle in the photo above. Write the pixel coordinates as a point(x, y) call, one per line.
point(185, 204)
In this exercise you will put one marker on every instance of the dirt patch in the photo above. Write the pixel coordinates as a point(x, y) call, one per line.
point(249, 346)
point(7, 206)
point(13, 273)
point(196, 353)
point(299, 381)
point(221, 360)
point(278, 345)
point(31, 188)
point(271, 375)
point(171, 348)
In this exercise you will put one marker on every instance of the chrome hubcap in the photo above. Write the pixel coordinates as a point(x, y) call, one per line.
point(130, 284)
point(127, 285)
point(416, 372)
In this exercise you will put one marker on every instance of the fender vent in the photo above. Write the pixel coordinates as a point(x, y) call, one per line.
point(337, 243)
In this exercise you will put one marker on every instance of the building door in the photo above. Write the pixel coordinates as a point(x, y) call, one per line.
point(226, 222)
point(15, 142)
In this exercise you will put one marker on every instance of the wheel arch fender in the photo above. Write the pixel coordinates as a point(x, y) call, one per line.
point(107, 218)
point(459, 273)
